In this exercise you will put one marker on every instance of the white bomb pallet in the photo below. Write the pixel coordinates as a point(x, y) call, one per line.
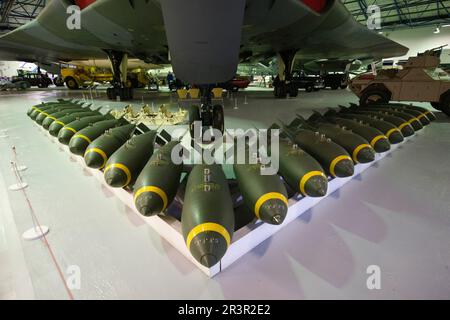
point(244, 239)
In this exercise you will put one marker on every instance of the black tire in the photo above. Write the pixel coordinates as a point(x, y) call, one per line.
point(334, 86)
point(194, 115)
point(309, 88)
point(316, 89)
point(124, 93)
point(280, 91)
point(235, 89)
point(218, 121)
point(444, 103)
point(343, 86)
point(374, 95)
point(71, 83)
point(275, 91)
point(293, 91)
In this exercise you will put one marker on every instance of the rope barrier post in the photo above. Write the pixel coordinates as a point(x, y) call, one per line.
point(39, 231)
point(19, 168)
point(20, 185)
point(35, 233)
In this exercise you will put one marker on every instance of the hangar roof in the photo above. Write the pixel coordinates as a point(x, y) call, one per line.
point(14, 13)
point(397, 14)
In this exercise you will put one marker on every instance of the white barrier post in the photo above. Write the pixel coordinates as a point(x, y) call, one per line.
point(18, 167)
point(20, 184)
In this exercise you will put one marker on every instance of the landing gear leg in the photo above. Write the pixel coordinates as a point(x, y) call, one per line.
point(119, 62)
point(211, 116)
point(282, 84)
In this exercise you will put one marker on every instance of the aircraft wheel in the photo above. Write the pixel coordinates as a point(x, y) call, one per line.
point(218, 121)
point(280, 91)
point(194, 115)
point(293, 91)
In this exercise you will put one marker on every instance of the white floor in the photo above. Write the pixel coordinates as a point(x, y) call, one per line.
point(396, 216)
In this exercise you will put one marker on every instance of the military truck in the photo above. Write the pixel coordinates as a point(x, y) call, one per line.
point(33, 79)
point(419, 80)
point(308, 82)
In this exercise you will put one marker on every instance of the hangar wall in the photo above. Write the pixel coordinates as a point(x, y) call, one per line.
point(9, 68)
point(421, 39)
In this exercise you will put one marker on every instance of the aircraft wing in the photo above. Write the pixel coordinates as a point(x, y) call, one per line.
point(332, 33)
point(206, 38)
point(135, 27)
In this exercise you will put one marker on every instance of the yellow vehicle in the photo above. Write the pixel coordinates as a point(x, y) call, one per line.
point(137, 78)
point(79, 77)
point(83, 76)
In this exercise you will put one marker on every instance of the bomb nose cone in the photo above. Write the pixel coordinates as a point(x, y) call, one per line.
point(94, 160)
point(424, 120)
point(40, 119)
point(344, 168)
point(149, 204)
point(208, 260)
point(416, 125)
point(396, 137)
point(273, 211)
point(382, 145)
point(115, 177)
point(78, 146)
point(208, 247)
point(365, 155)
point(408, 131)
point(316, 186)
point(47, 122)
point(54, 129)
point(64, 136)
point(431, 116)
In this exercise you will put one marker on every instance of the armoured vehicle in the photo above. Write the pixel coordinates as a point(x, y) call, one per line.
point(420, 80)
